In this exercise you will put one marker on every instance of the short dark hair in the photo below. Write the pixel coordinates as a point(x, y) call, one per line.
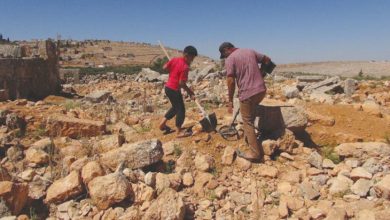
point(225, 45)
point(191, 50)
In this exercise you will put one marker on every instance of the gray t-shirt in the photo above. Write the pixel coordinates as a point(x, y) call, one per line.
point(242, 64)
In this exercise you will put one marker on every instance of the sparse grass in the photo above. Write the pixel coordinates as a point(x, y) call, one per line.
point(342, 194)
point(214, 171)
point(116, 69)
point(71, 105)
point(177, 151)
point(212, 195)
point(144, 128)
point(169, 166)
point(40, 131)
point(328, 152)
point(33, 214)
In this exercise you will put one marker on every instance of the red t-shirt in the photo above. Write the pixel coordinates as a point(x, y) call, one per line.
point(178, 70)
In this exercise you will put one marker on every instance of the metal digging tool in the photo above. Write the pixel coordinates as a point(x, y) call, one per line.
point(229, 132)
point(208, 122)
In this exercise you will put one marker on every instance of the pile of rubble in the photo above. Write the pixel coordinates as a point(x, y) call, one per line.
point(100, 156)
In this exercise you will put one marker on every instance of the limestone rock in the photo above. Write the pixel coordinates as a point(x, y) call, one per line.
point(188, 180)
point(309, 191)
point(267, 171)
point(65, 188)
point(36, 156)
point(91, 170)
point(228, 155)
point(168, 205)
point(361, 187)
point(276, 117)
point(109, 189)
point(382, 188)
point(372, 108)
point(204, 162)
point(269, 146)
point(136, 155)
point(60, 125)
point(14, 195)
point(98, 96)
point(359, 173)
point(291, 92)
point(363, 149)
point(243, 164)
point(340, 185)
point(109, 143)
point(315, 159)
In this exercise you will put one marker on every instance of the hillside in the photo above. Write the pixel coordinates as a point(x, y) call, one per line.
point(107, 53)
point(341, 68)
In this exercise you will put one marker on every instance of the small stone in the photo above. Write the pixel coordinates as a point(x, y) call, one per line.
point(336, 214)
point(316, 213)
point(340, 185)
point(315, 160)
point(36, 156)
point(188, 180)
point(269, 147)
point(365, 214)
point(326, 163)
point(382, 188)
point(91, 170)
point(150, 179)
point(243, 164)
point(309, 191)
point(284, 188)
point(267, 171)
point(287, 156)
point(353, 163)
point(204, 162)
point(359, 173)
point(220, 192)
point(228, 156)
point(109, 189)
point(361, 187)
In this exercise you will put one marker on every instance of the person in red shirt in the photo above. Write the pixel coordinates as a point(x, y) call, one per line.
point(178, 68)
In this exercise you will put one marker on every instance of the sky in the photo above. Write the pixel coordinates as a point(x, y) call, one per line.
point(286, 30)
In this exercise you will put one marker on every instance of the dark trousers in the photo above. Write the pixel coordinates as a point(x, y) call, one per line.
point(177, 108)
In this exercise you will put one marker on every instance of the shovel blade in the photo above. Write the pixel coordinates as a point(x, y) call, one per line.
point(209, 123)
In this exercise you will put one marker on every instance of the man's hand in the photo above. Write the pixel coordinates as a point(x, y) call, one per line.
point(230, 107)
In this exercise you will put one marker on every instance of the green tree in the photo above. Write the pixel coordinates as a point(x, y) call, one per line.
point(159, 64)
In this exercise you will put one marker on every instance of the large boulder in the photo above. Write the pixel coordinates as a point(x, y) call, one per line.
point(147, 75)
point(136, 155)
point(275, 117)
point(14, 194)
point(60, 125)
point(168, 205)
point(110, 189)
point(98, 96)
point(324, 85)
point(64, 189)
point(363, 149)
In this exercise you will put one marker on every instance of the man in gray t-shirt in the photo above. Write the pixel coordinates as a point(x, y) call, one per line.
point(242, 69)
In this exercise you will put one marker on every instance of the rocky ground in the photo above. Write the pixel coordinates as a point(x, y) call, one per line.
point(96, 152)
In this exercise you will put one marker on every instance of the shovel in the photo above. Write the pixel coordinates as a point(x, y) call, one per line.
point(208, 122)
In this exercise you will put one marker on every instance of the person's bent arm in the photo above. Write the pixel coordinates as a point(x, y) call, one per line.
point(231, 84)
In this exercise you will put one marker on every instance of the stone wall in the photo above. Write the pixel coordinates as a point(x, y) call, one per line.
point(29, 77)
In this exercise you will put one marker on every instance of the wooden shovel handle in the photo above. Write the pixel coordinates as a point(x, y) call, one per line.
point(163, 49)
